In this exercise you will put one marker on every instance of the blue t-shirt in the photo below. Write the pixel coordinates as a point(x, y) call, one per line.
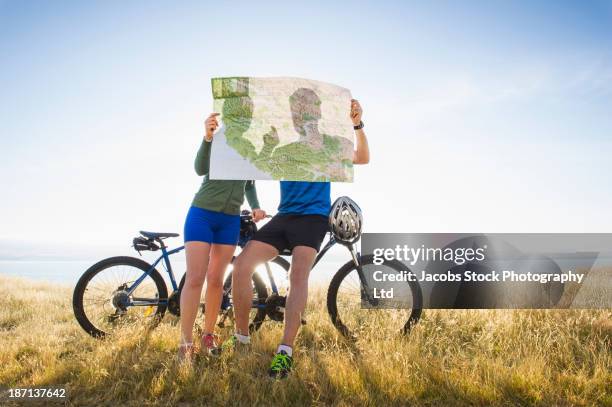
point(305, 198)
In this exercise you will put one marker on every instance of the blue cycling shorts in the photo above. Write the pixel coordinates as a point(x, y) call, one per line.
point(207, 226)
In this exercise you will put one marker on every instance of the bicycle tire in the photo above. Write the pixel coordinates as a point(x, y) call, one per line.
point(79, 290)
point(345, 270)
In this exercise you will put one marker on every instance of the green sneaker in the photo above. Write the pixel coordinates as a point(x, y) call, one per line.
point(232, 343)
point(281, 365)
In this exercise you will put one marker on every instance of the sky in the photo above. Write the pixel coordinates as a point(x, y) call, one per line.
point(482, 116)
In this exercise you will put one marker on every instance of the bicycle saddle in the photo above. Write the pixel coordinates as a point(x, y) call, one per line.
point(157, 235)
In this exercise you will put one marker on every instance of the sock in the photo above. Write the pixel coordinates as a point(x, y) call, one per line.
point(288, 350)
point(245, 339)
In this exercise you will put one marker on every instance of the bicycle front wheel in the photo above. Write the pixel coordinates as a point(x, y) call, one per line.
point(102, 303)
point(344, 302)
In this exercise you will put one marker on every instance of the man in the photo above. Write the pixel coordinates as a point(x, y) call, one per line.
point(299, 226)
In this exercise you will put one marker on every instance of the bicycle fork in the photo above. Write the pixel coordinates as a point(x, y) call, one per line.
point(364, 284)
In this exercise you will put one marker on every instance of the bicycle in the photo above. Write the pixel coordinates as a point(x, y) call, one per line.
point(125, 289)
point(144, 289)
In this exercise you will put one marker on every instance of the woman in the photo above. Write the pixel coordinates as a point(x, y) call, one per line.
point(211, 232)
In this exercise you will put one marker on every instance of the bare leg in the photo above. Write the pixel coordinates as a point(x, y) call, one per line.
point(254, 254)
point(197, 254)
point(301, 263)
point(220, 257)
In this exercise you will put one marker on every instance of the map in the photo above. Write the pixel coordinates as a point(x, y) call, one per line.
point(282, 129)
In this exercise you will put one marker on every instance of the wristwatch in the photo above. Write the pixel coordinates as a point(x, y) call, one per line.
point(359, 126)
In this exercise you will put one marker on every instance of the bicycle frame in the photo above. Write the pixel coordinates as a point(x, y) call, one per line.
point(330, 243)
point(165, 256)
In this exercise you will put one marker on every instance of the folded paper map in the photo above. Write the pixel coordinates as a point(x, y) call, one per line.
point(282, 129)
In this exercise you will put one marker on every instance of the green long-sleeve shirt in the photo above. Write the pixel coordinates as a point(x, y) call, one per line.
point(221, 195)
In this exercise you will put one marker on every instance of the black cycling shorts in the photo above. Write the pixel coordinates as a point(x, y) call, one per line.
point(286, 231)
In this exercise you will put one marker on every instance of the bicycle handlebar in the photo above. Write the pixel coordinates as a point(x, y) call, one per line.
point(247, 215)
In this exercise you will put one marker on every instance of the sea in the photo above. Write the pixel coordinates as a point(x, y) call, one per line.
point(68, 272)
point(62, 272)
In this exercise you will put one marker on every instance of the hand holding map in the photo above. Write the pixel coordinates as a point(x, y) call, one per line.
point(211, 125)
point(283, 129)
point(356, 112)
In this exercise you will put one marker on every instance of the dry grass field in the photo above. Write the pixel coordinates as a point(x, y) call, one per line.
point(451, 358)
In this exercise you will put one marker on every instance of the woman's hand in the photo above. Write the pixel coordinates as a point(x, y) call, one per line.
point(211, 125)
point(258, 214)
point(356, 112)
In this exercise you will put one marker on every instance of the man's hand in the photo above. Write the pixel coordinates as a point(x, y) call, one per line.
point(361, 155)
point(211, 125)
point(258, 214)
point(356, 112)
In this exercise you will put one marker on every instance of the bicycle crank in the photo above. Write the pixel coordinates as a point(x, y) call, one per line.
point(174, 303)
point(275, 308)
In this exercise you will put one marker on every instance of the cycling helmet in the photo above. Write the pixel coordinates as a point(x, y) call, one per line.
point(345, 220)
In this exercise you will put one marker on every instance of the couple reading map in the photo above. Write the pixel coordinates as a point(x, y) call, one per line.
point(282, 129)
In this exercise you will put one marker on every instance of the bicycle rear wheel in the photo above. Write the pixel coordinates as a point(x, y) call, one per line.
point(101, 302)
point(345, 306)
